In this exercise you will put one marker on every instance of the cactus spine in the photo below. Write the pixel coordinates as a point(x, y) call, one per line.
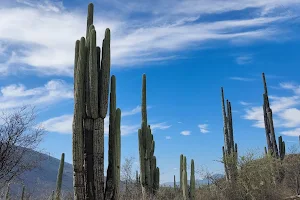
point(91, 87)
point(59, 177)
point(230, 148)
point(192, 181)
point(148, 170)
point(183, 175)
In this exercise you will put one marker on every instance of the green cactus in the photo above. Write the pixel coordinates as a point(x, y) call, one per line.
point(281, 144)
point(192, 181)
point(230, 149)
point(7, 195)
point(183, 177)
point(148, 170)
point(23, 193)
point(91, 88)
point(268, 119)
point(59, 177)
point(181, 170)
point(113, 171)
point(175, 187)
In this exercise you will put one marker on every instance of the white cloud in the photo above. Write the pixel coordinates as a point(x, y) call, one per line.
point(203, 128)
point(236, 78)
point(245, 103)
point(168, 138)
point(285, 111)
point(32, 32)
point(242, 60)
point(185, 133)
point(16, 95)
point(134, 111)
point(160, 126)
point(293, 132)
point(61, 124)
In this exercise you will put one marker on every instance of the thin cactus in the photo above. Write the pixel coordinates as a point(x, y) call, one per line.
point(23, 193)
point(230, 149)
point(268, 120)
point(281, 144)
point(192, 181)
point(148, 170)
point(59, 177)
point(184, 180)
point(7, 195)
point(91, 88)
point(181, 170)
point(266, 151)
point(175, 187)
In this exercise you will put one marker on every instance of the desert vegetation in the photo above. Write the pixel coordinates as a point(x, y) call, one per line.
point(271, 175)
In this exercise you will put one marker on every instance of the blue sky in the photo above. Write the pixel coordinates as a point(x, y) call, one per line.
point(188, 50)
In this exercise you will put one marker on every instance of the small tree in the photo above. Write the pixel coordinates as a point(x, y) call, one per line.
point(19, 135)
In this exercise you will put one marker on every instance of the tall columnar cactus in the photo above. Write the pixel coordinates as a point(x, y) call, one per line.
point(113, 171)
point(7, 195)
point(230, 148)
point(183, 177)
point(148, 170)
point(268, 119)
point(23, 193)
point(59, 177)
point(192, 181)
point(281, 144)
point(181, 170)
point(185, 192)
point(91, 87)
point(175, 187)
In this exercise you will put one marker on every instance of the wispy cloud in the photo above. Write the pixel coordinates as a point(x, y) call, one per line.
point(168, 138)
point(285, 109)
point(203, 128)
point(37, 46)
point(16, 95)
point(134, 111)
point(185, 133)
point(237, 78)
point(245, 59)
point(245, 103)
point(160, 126)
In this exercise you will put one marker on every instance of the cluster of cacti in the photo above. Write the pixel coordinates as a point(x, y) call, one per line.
point(230, 151)
point(59, 177)
point(269, 127)
point(183, 177)
point(188, 192)
point(91, 87)
point(149, 172)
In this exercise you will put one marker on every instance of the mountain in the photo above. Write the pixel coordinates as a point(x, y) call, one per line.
point(41, 181)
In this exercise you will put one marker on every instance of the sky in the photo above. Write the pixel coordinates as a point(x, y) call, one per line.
point(188, 50)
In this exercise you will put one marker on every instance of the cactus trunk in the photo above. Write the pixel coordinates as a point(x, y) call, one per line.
point(192, 181)
point(59, 177)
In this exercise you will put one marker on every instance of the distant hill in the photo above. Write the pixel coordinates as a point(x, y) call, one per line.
point(42, 180)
